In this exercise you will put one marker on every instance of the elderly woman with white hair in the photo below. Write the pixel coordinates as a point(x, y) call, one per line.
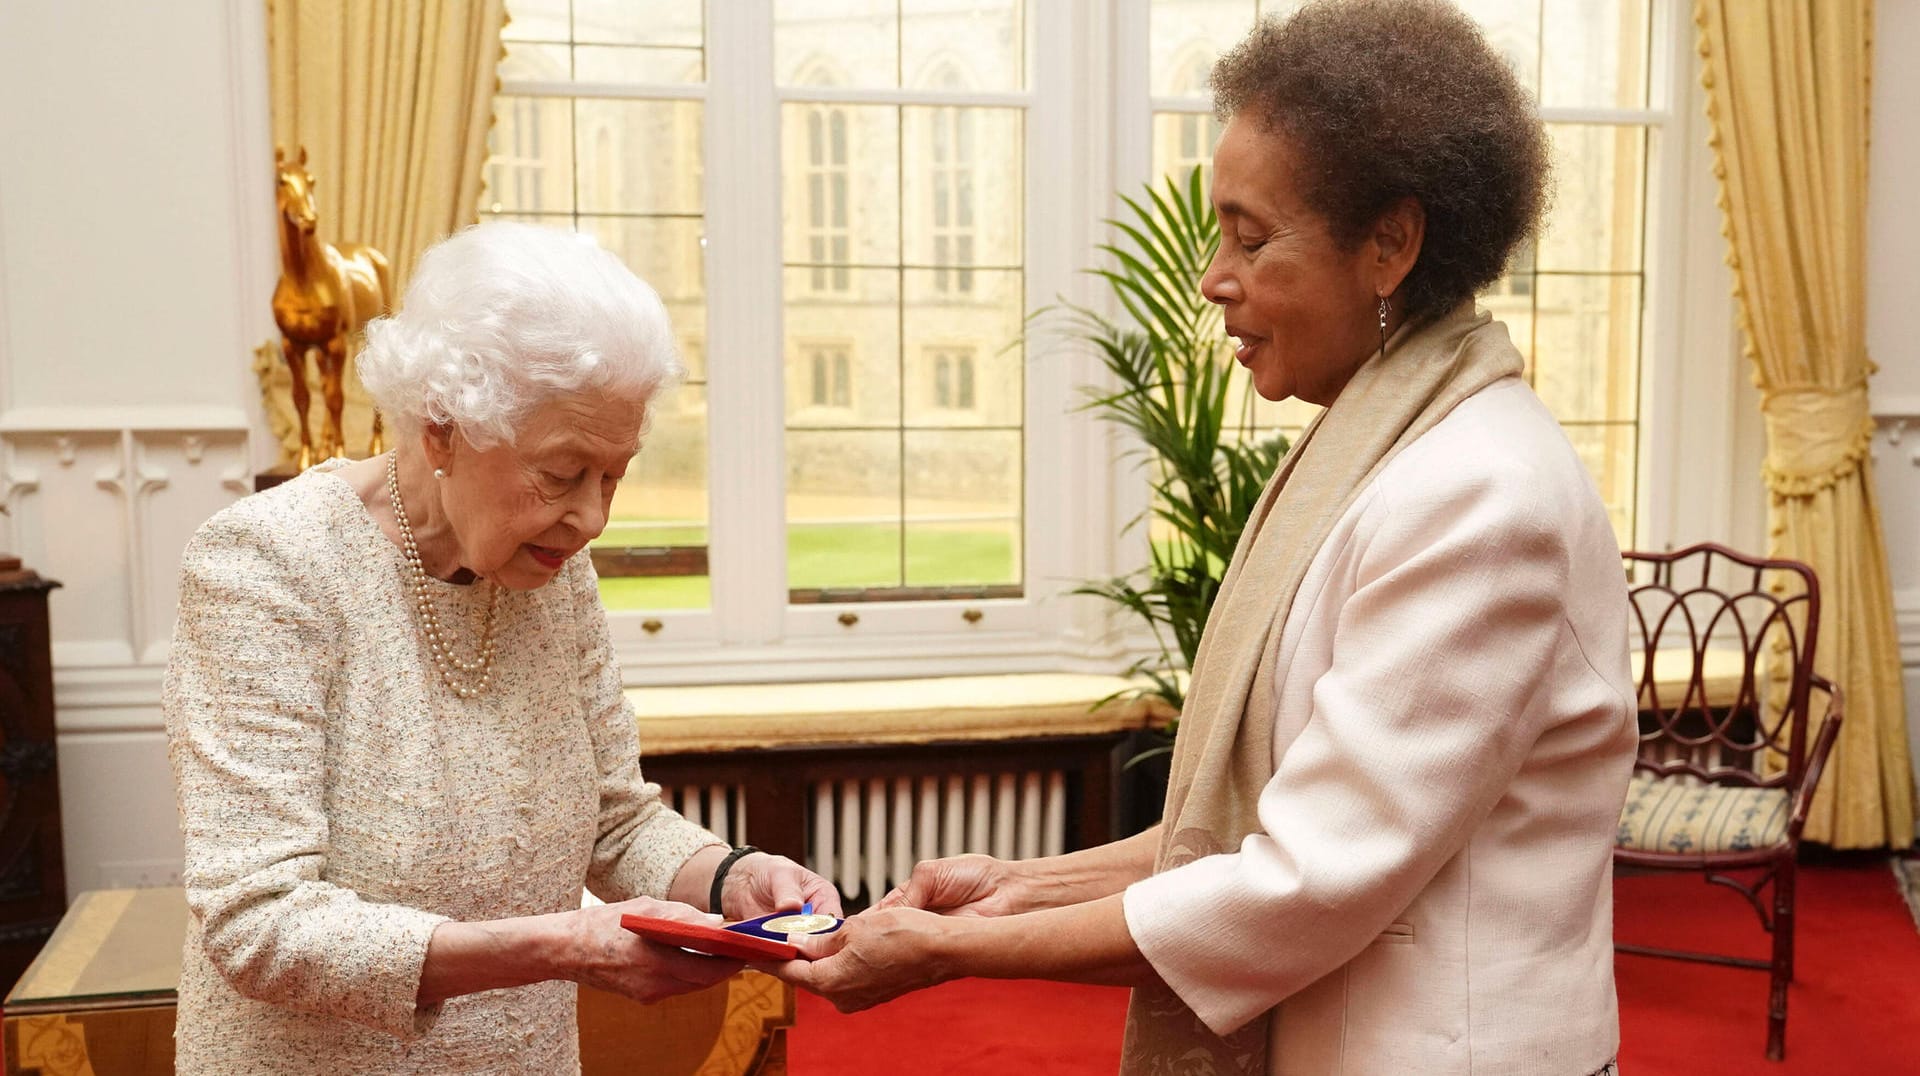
point(397, 729)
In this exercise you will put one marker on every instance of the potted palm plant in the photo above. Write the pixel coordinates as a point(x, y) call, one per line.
point(1172, 386)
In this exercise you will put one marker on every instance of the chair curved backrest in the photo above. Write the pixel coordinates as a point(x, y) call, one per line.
point(1725, 645)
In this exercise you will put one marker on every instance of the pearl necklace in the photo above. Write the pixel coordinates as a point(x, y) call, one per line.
point(458, 674)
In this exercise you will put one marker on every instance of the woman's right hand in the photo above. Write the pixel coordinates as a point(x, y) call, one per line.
point(961, 885)
point(607, 956)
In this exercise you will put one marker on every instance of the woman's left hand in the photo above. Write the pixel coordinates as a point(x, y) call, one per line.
point(875, 957)
point(764, 883)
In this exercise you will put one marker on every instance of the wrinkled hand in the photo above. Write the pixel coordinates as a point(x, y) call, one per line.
point(609, 957)
point(877, 956)
point(764, 883)
point(959, 885)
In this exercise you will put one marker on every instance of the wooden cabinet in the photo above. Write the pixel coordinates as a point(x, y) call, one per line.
point(33, 877)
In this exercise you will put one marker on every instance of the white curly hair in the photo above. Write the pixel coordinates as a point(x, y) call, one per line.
point(501, 317)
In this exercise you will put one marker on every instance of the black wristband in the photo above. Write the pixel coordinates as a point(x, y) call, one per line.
point(740, 851)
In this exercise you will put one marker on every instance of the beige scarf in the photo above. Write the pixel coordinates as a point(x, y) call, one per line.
point(1224, 756)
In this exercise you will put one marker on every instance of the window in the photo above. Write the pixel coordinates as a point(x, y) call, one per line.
point(1574, 298)
point(517, 169)
point(598, 128)
point(901, 497)
point(1184, 139)
point(885, 448)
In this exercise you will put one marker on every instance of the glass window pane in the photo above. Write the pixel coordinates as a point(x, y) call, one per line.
point(535, 63)
point(530, 156)
point(1186, 36)
point(659, 512)
point(1182, 140)
point(971, 46)
point(1510, 301)
point(624, 22)
point(638, 156)
point(863, 324)
point(1513, 29)
point(853, 43)
point(669, 254)
point(962, 184)
point(1597, 218)
point(537, 20)
point(963, 507)
point(1609, 451)
point(1587, 347)
point(1596, 54)
point(1288, 414)
point(843, 509)
point(842, 183)
point(628, 63)
point(636, 167)
point(983, 327)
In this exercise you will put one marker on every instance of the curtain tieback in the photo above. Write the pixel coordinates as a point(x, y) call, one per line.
point(1815, 438)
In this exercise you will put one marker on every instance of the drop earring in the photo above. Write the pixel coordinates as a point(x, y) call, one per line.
point(1385, 309)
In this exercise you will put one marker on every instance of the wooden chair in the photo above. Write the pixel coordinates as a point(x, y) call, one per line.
point(1724, 648)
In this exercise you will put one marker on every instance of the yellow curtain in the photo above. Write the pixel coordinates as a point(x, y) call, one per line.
point(1787, 94)
point(392, 102)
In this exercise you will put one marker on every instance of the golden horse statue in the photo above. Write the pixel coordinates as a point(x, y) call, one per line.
point(325, 295)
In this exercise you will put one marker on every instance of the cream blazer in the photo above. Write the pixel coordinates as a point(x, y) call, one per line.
point(1431, 890)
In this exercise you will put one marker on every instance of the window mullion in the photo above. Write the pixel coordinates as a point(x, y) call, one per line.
point(1127, 490)
point(1068, 452)
point(746, 449)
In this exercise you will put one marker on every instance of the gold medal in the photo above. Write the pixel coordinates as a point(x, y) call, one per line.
point(798, 924)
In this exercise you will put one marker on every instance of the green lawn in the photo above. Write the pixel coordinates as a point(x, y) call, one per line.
point(830, 555)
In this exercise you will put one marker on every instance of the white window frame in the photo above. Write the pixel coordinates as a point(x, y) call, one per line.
point(1082, 148)
point(750, 632)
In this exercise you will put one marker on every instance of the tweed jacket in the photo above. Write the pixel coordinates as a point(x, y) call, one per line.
point(1431, 889)
point(338, 801)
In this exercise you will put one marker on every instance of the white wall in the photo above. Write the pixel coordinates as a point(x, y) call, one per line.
point(1893, 320)
point(136, 259)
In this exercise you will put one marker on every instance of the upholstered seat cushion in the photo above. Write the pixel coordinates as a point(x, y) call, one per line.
point(1682, 816)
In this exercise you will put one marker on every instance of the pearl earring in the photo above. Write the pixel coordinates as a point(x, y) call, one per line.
point(439, 472)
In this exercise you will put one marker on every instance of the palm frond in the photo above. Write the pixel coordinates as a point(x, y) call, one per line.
point(1171, 387)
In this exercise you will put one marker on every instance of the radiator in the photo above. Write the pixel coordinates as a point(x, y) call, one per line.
point(717, 807)
point(866, 835)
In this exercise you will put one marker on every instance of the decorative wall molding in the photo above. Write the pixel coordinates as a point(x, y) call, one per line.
point(1899, 435)
point(1906, 622)
point(1899, 429)
point(57, 420)
point(1895, 405)
point(104, 500)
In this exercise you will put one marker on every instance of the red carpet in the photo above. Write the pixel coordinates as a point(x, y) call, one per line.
point(1854, 1006)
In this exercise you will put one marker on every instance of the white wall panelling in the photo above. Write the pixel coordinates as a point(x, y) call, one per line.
point(116, 807)
point(136, 262)
point(1896, 459)
point(185, 476)
point(107, 512)
point(67, 519)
